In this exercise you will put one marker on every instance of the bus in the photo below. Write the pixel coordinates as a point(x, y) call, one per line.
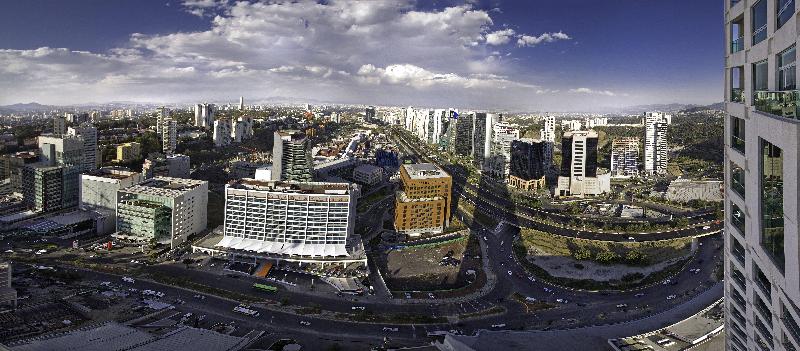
point(264, 287)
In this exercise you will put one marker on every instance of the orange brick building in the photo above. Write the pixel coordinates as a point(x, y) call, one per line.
point(423, 205)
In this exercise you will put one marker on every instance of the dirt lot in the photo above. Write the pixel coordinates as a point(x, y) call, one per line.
point(418, 268)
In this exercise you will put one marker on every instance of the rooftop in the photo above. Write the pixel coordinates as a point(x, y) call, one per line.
point(112, 173)
point(165, 186)
point(424, 171)
point(292, 187)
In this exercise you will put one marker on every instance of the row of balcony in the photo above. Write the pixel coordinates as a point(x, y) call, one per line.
point(778, 103)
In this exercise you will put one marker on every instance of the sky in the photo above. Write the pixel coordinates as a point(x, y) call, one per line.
point(531, 55)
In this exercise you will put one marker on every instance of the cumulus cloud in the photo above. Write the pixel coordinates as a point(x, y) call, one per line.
point(530, 40)
point(592, 92)
point(339, 49)
point(499, 37)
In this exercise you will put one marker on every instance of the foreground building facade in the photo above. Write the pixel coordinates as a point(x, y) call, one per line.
point(762, 271)
point(423, 206)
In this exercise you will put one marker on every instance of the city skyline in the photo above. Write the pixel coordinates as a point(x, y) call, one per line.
point(492, 54)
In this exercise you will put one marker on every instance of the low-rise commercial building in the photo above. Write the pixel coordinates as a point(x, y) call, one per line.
point(423, 205)
point(99, 192)
point(368, 174)
point(163, 209)
point(174, 166)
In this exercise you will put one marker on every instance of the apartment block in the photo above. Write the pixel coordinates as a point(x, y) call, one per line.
point(88, 134)
point(48, 188)
point(308, 219)
point(528, 164)
point(579, 172)
point(423, 204)
point(762, 144)
point(655, 142)
point(625, 157)
point(368, 174)
point(129, 152)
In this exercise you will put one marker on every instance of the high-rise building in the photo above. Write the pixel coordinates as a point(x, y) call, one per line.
point(204, 115)
point(161, 116)
point(129, 152)
point(11, 166)
point(462, 142)
point(482, 135)
point(503, 134)
point(99, 192)
point(527, 166)
point(579, 173)
point(290, 218)
point(162, 209)
point(222, 132)
point(291, 157)
point(173, 166)
point(369, 113)
point(241, 103)
point(87, 133)
point(624, 157)
point(47, 188)
point(61, 150)
point(59, 125)
point(423, 205)
point(762, 145)
point(548, 133)
point(655, 142)
point(169, 136)
point(8, 296)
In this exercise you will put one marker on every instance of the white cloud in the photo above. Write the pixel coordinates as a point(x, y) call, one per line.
point(592, 92)
point(338, 50)
point(499, 37)
point(529, 40)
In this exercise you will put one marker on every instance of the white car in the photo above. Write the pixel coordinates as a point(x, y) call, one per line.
point(631, 238)
point(306, 323)
point(531, 278)
point(509, 273)
point(390, 329)
point(547, 290)
point(562, 300)
point(358, 308)
point(707, 227)
point(670, 297)
point(622, 305)
point(128, 280)
point(501, 325)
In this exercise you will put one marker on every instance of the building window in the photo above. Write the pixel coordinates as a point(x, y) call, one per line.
point(737, 250)
point(737, 179)
point(759, 14)
point(737, 35)
point(760, 75)
point(763, 309)
point(790, 323)
point(737, 218)
point(737, 134)
point(772, 202)
point(785, 10)
point(737, 84)
point(762, 281)
point(786, 69)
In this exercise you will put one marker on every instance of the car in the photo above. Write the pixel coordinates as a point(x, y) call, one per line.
point(666, 282)
point(358, 308)
point(562, 301)
point(389, 329)
point(128, 280)
point(706, 227)
point(547, 290)
point(510, 273)
point(639, 295)
point(431, 295)
point(530, 299)
point(501, 325)
point(622, 305)
point(670, 297)
point(199, 297)
point(631, 238)
point(531, 278)
point(305, 323)
point(408, 296)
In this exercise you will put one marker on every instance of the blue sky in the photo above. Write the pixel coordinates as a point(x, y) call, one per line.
point(545, 55)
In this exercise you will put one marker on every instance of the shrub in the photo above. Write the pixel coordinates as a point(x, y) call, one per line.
point(606, 257)
point(582, 254)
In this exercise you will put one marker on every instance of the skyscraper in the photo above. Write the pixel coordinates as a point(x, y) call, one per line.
point(241, 103)
point(762, 270)
point(503, 134)
point(624, 157)
point(291, 157)
point(369, 113)
point(549, 131)
point(655, 142)
point(482, 135)
point(527, 167)
point(169, 136)
point(161, 115)
point(579, 174)
point(204, 115)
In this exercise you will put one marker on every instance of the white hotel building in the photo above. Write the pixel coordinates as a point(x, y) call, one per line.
point(762, 135)
point(306, 219)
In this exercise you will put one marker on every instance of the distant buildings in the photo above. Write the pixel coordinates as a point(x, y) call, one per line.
point(204, 115)
point(241, 103)
point(59, 125)
point(482, 135)
point(289, 218)
point(527, 167)
point(174, 166)
point(12, 165)
point(503, 134)
point(162, 209)
point(61, 150)
point(241, 129)
point(162, 114)
point(291, 157)
point(462, 143)
point(368, 174)
point(423, 204)
point(579, 173)
point(625, 157)
point(684, 190)
point(548, 133)
point(655, 142)
point(129, 152)
point(99, 192)
point(369, 114)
